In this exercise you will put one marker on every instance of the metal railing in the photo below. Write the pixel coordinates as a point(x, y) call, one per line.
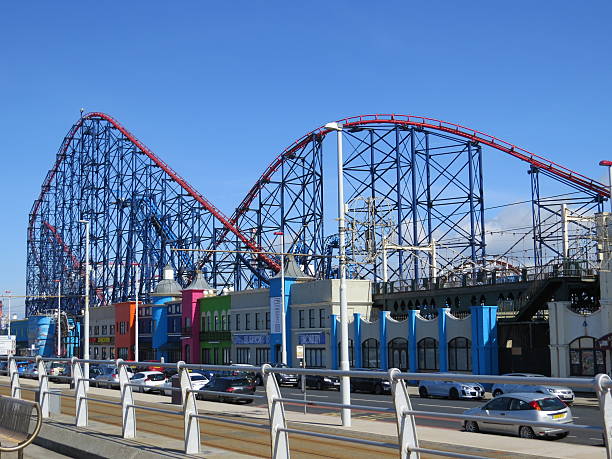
point(407, 439)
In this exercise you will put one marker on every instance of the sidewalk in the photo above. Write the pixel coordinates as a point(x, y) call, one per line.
point(429, 437)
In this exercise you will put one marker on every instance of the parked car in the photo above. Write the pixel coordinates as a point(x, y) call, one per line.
point(564, 393)
point(198, 380)
point(149, 381)
point(30, 371)
point(109, 375)
point(55, 369)
point(373, 385)
point(522, 408)
point(323, 382)
point(451, 389)
point(230, 385)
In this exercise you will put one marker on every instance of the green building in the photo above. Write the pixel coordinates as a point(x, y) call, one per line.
point(215, 335)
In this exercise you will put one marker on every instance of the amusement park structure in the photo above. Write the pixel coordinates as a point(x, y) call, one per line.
point(412, 184)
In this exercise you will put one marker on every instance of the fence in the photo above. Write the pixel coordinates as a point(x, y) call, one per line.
point(407, 445)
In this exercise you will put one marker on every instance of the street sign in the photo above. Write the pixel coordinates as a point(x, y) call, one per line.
point(299, 352)
point(7, 344)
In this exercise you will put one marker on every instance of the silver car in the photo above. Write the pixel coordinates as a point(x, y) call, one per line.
point(107, 376)
point(564, 393)
point(521, 408)
point(451, 389)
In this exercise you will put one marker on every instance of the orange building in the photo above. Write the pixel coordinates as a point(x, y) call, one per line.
point(125, 333)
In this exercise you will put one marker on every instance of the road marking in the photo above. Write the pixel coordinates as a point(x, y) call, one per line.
point(370, 400)
point(318, 396)
point(598, 439)
point(443, 406)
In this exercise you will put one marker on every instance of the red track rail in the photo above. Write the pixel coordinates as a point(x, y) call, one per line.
point(177, 178)
point(557, 170)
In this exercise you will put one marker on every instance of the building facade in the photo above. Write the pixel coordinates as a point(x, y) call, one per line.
point(102, 333)
point(215, 337)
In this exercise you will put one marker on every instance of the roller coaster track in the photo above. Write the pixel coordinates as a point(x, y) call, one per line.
point(271, 263)
point(581, 181)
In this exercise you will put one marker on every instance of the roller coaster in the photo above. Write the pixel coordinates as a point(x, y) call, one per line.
point(421, 179)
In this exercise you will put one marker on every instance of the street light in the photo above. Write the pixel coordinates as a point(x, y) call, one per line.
point(283, 325)
point(345, 385)
point(86, 313)
point(59, 317)
point(9, 311)
point(136, 331)
point(608, 164)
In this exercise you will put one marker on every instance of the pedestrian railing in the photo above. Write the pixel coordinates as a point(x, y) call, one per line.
point(407, 445)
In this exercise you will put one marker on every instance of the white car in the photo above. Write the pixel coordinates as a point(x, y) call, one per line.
point(198, 381)
point(564, 393)
point(149, 381)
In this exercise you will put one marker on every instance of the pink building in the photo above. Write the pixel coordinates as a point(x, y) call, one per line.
point(190, 339)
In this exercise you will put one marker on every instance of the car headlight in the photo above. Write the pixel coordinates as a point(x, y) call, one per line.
point(327, 380)
point(552, 391)
point(466, 388)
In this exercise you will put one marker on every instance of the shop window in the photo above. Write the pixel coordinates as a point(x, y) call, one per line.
point(351, 353)
point(397, 355)
point(301, 315)
point(262, 355)
point(460, 354)
point(237, 316)
point(311, 318)
point(267, 321)
point(243, 355)
point(370, 354)
point(315, 357)
point(427, 350)
point(586, 358)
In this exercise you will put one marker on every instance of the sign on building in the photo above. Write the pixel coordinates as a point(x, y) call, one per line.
point(299, 352)
point(311, 338)
point(245, 340)
point(276, 315)
point(7, 344)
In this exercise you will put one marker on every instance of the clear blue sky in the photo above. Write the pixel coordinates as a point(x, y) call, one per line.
point(217, 89)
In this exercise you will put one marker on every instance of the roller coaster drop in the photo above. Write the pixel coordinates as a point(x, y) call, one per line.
point(420, 179)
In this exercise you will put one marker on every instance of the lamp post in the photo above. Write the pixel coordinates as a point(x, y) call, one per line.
point(59, 317)
point(9, 311)
point(608, 164)
point(136, 331)
point(283, 324)
point(345, 385)
point(86, 309)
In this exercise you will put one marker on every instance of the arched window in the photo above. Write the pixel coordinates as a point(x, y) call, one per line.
point(216, 321)
point(427, 350)
point(460, 354)
point(351, 353)
point(370, 354)
point(398, 354)
point(586, 359)
point(223, 321)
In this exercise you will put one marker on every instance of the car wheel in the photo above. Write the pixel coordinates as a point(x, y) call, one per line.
point(497, 393)
point(471, 426)
point(423, 392)
point(378, 389)
point(526, 432)
point(561, 435)
point(453, 394)
point(246, 402)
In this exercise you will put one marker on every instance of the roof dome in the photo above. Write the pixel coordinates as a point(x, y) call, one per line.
point(199, 283)
point(292, 270)
point(167, 286)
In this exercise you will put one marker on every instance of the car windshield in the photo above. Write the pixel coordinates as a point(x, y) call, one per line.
point(551, 404)
point(156, 377)
point(198, 378)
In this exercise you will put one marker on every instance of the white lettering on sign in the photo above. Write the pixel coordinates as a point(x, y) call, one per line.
point(276, 315)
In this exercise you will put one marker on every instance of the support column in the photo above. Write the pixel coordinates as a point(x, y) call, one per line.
point(412, 342)
point(442, 344)
point(484, 340)
point(357, 341)
point(382, 334)
point(333, 326)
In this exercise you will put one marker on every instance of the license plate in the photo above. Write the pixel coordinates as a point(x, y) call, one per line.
point(559, 416)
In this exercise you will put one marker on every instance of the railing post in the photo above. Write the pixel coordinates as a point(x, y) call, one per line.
point(276, 411)
point(128, 413)
point(192, 425)
point(79, 393)
point(602, 387)
point(406, 428)
point(14, 377)
point(43, 387)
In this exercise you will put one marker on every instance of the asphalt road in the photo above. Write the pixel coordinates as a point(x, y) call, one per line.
point(585, 415)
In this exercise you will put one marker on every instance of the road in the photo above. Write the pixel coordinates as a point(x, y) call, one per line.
point(586, 415)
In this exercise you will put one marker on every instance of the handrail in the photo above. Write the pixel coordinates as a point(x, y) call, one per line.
point(279, 432)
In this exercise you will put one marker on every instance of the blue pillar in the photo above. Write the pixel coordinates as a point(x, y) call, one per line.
point(382, 333)
point(334, 341)
point(412, 342)
point(484, 340)
point(276, 338)
point(442, 345)
point(357, 340)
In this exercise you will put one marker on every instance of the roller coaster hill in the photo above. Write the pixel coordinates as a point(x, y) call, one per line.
point(415, 224)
